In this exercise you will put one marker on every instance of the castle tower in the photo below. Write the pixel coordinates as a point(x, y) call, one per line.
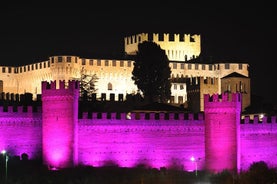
point(222, 130)
point(59, 124)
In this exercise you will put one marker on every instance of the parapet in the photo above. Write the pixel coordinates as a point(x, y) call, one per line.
point(235, 97)
point(256, 120)
point(143, 116)
point(71, 84)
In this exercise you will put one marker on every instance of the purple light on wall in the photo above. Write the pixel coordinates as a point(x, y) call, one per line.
point(60, 108)
point(152, 143)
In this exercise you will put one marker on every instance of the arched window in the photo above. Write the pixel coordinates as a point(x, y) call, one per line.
point(110, 86)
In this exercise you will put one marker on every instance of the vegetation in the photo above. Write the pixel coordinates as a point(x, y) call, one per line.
point(87, 84)
point(151, 72)
point(32, 172)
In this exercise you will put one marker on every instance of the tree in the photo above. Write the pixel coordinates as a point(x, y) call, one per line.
point(87, 84)
point(151, 72)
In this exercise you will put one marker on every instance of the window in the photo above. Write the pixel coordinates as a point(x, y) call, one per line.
point(36, 66)
point(44, 65)
point(114, 62)
point(175, 86)
point(210, 67)
point(182, 66)
point(203, 67)
point(196, 66)
point(83, 61)
point(3, 70)
point(91, 62)
point(227, 66)
point(174, 65)
point(110, 86)
point(32, 67)
point(181, 87)
point(68, 59)
point(60, 59)
point(106, 62)
point(121, 63)
point(189, 66)
point(240, 66)
point(52, 60)
point(129, 63)
point(98, 62)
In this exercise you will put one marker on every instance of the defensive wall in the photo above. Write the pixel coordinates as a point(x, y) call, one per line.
point(217, 138)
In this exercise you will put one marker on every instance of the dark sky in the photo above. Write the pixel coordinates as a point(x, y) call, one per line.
point(236, 33)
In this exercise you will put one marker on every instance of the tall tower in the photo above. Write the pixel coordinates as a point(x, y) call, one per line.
point(222, 130)
point(60, 124)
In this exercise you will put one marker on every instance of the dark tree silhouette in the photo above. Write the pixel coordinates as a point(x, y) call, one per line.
point(87, 84)
point(151, 72)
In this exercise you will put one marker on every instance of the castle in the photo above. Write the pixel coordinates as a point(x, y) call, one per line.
point(217, 138)
point(114, 76)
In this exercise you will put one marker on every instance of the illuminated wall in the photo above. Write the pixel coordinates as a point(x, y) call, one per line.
point(60, 120)
point(165, 142)
point(20, 131)
point(216, 139)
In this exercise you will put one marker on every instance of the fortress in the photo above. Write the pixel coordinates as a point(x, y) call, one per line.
point(114, 76)
point(215, 136)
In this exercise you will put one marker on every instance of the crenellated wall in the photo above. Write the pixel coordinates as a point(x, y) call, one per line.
point(218, 139)
point(258, 141)
point(20, 131)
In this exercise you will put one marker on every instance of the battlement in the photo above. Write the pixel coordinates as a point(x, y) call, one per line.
point(177, 38)
point(225, 97)
point(71, 84)
point(143, 116)
point(256, 120)
point(20, 109)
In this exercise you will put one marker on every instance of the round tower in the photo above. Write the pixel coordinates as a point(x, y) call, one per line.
point(222, 130)
point(59, 124)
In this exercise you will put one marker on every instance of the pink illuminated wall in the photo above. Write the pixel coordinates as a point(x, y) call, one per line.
point(153, 143)
point(59, 128)
point(20, 132)
point(216, 139)
point(259, 142)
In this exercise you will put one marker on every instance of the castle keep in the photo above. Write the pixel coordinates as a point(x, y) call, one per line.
point(218, 139)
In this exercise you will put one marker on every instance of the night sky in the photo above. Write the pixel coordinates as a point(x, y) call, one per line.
point(230, 33)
